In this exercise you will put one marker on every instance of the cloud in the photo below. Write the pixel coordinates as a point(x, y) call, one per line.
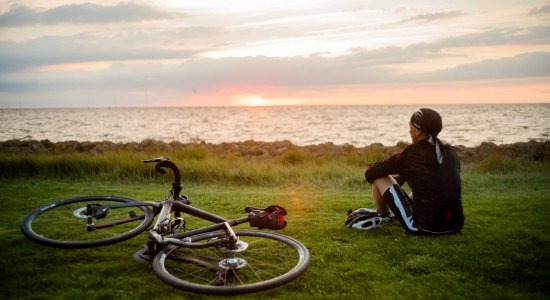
point(538, 35)
point(367, 69)
point(197, 33)
point(147, 50)
point(140, 45)
point(81, 48)
point(540, 10)
point(21, 15)
point(430, 50)
point(430, 17)
point(268, 73)
point(527, 65)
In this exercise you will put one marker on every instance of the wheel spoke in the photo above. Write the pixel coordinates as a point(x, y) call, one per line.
point(279, 267)
point(236, 274)
point(197, 274)
point(214, 280)
point(254, 271)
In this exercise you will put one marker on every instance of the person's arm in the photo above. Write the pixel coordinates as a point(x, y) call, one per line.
point(383, 168)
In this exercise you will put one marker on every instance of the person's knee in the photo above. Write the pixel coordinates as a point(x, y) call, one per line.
point(384, 183)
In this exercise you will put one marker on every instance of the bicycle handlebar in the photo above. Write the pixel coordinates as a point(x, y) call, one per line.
point(164, 162)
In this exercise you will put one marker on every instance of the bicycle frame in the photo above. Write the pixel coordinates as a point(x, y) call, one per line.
point(164, 215)
point(180, 205)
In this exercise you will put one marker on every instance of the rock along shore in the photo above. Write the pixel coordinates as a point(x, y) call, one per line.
point(528, 151)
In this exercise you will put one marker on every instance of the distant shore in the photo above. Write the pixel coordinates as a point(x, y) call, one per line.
point(528, 151)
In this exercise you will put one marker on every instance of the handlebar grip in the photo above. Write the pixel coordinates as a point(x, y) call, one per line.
point(157, 160)
point(164, 162)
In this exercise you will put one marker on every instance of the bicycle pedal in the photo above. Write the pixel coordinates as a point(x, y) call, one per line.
point(142, 256)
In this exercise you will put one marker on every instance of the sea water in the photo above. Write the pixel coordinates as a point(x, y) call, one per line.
point(467, 125)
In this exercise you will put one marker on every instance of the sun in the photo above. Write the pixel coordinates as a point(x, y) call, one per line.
point(256, 101)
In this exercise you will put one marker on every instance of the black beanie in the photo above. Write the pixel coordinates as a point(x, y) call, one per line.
point(427, 120)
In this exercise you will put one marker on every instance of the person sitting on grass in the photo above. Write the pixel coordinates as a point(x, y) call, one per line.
point(431, 169)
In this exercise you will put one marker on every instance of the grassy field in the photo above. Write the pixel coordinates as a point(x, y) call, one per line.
point(502, 253)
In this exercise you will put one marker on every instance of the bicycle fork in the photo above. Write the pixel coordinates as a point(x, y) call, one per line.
point(161, 227)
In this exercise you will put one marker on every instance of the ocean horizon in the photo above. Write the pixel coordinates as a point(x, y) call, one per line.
point(358, 125)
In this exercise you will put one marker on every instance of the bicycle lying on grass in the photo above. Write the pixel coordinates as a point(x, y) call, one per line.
point(215, 259)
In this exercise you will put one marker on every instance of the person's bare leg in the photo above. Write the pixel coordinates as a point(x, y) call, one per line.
point(380, 186)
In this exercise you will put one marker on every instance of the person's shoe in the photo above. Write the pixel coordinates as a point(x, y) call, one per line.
point(388, 217)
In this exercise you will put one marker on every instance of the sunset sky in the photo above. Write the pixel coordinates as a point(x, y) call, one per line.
point(259, 52)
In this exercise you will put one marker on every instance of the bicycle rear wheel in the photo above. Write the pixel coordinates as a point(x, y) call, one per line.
point(69, 223)
point(259, 261)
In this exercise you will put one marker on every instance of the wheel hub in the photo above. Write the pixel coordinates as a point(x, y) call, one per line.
point(80, 213)
point(232, 263)
point(239, 246)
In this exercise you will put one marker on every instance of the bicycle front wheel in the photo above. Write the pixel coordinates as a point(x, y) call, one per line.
point(259, 261)
point(86, 222)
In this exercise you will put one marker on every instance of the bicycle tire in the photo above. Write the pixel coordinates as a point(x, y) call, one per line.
point(59, 225)
point(176, 265)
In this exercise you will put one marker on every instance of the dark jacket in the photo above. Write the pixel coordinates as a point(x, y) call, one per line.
point(437, 197)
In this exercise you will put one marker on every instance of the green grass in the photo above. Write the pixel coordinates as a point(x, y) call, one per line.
point(197, 165)
point(502, 253)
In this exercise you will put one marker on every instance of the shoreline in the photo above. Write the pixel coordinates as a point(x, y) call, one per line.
point(522, 151)
point(268, 106)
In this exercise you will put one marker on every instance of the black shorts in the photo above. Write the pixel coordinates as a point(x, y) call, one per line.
point(401, 206)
